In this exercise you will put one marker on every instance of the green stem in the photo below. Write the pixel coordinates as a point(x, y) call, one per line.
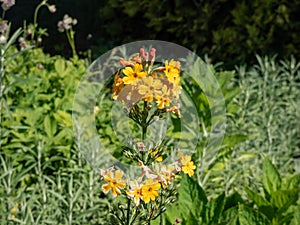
point(70, 36)
point(144, 121)
point(35, 18)
point(128, 212)
point(161, 219)
point(2, 73)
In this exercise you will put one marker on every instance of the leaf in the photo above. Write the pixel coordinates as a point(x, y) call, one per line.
point(292, 182)
point(63, 117)
point(191, 199)
point(216, 208)
point(224, 77)
point(234, 139)
point(271, 177)
point(296, 217)
point(59, 66)
point(248, 216)
point(230, 216)
point(233, 200)
point(191, 196)
point(259, 200)
point(50, 126)
point(283, 199)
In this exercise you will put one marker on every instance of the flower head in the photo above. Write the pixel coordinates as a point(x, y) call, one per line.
point(3, 26)
point(114, 182)
point(149, 190)
point(163, 99)
point(135, 192)
point(172, 71)
point(66, 23)
point(188, 166)
point(133, 74)
point(6, 4)
point(149, 88)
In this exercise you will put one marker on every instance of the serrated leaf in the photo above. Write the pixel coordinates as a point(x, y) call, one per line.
point(248, 216)
point(191, 195)
point(216, 208)
point(271, 177)
point(259, 200)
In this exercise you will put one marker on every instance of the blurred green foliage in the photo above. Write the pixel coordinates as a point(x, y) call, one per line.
point(229, 31)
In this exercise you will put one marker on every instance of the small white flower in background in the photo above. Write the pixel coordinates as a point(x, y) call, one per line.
point(6, 4)
point(52, 8)
point(66, 23)
point(3, 26)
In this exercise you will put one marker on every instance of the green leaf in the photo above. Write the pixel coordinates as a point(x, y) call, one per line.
point(283, 199)
point(296, 216)
point(233, 200)
point(49, 126)
point(248, 216)
point(216, 208)
point(224, 77)
point(191, 196)
point(259, 200)
point(271, 177)
point(234, 139)
point(230, 216)
point(63, 117)
point(292, 182)
point(59, 66)
point(191, 199)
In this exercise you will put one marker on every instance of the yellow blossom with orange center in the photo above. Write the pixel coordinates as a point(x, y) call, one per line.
point(172, 71)
point(133, 75)
point(188, 166)
point(149, 190)
point(163, 99)
point(114, 182)
point(149, 87)
point(135, 192)
point(118, 85)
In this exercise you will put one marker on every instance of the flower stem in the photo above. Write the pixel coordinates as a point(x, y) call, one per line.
point(144, 121)
point(128, 212)
point(35, 18)
point(2, 73)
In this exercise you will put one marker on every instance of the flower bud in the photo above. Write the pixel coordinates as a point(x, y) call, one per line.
point(3, 39)
point(52, 8)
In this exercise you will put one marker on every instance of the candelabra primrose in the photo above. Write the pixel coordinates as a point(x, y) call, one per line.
point(148, 90)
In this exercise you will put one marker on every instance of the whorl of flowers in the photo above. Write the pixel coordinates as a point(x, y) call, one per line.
point(66, 23)
point(149, 185)
point(6, 4)
point(141, 79)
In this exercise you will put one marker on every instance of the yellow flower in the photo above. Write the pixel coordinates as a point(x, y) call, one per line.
point(166, 175)
point(14, 210)
point(115, 183)
point(135, 193)
point(133, 74)
point(176, 90)
point(149, 190)
point(149, 88)
point(118, 85)
point(154, 154)
point(172, 71)
point(163, 99)
point(188, 166)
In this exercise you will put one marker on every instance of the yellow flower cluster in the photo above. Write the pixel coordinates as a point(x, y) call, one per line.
point(140, 80)
point(148, 185)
